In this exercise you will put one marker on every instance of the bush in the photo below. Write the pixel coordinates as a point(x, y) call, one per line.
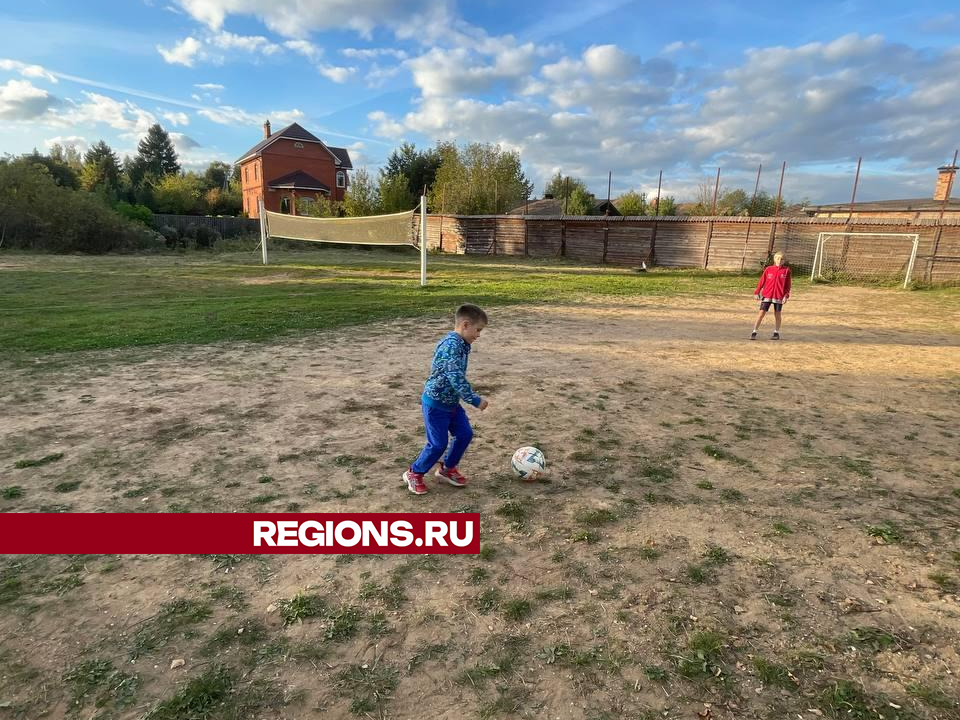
point(204, 236)
point(136, 213)
point(39, 214)
point(171, 235)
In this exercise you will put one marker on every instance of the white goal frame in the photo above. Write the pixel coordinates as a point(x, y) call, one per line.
point(265, 234)
point(817, 269)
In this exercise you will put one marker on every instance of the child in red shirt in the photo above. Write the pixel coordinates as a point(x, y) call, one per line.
point(773, 289)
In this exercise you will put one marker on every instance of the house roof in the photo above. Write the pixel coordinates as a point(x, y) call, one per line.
point(298, 180)
point(294, 131)
point(914, 205)
point(601, 207)
point(549, 206)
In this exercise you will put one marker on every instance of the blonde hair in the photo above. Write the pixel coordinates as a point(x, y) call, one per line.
point(778, 258)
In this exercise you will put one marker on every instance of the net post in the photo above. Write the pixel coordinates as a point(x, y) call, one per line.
point(913, 259)
point(263, 229)
point(816, 254)
point(423, 240)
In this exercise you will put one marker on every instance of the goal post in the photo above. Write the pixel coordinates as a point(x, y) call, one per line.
point(865, 255)
point(394, 229)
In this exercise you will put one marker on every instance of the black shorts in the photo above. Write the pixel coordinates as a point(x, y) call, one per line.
point(765, 304)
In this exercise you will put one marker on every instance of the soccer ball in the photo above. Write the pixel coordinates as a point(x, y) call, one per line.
point(529, 463)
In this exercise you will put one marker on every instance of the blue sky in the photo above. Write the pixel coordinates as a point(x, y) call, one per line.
point(583, 88)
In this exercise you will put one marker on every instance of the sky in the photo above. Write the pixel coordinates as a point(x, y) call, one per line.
point(582, 88)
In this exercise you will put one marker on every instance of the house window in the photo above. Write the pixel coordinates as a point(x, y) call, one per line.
point(246, 174)
point(256, 172)
point(298, 145)
point(285, 205)
point(341, 179)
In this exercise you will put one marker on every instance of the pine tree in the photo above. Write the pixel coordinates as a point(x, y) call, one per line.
point(157, 153)
point(101, 169)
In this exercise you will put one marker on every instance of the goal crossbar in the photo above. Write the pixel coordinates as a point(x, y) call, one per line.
point(819, 253)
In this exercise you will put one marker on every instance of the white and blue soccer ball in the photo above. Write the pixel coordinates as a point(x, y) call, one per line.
point(529, 463)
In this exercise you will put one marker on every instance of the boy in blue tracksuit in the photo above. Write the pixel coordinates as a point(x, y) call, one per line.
point(442, 413)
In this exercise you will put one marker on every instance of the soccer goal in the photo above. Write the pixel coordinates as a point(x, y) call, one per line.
point(865, 256)
point(393, 229)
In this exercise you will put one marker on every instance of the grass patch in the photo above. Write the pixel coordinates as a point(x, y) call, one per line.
point(771, 673)
point(517, 609)
point(200, 698)
point(657, 472)
point(703, 656)
point(705, 485)
point(782, 529)
point(885, 532)
point(847, 699)
point(857, 466)
point(100, 682)
point(596, 518)
point(718, 453)
point(932, 696)
point(66, 487)
point(732, 495)
point(487, 601)
point(302, 606)
point(554, 594)
point(368, 687)
point(876, 639)
point(945, 582)
point(516, 511)
point(59, 303)
point(175, 617)
point(487, 552)
point(45, 460)
point(12, 492)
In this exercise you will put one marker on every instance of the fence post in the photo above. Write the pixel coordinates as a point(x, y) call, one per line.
point(653, 242)
point(526, 243)
point(606, 240)
point(706, 247)
point(773, 237)
point(563, 237)
point(933, 252)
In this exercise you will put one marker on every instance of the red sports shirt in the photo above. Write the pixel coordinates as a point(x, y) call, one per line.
point(774, 283)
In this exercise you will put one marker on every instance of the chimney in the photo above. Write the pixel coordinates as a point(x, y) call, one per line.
point(266, 128)
point(548, 196)
point(944, 182)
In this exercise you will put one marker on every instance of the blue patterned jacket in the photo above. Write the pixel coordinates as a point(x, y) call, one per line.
point(447, 383)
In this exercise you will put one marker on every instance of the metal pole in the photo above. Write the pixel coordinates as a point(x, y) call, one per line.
point(856, 181)
point(656, 207)
point(716, 190)
point(609, 182)
point(913, 259)
point(783, 171)
point(566, 193)
point(746, 242)
point(423, 240)
point(263, 228)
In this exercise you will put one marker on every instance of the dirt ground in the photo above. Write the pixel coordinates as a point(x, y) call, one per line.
point(730, 529)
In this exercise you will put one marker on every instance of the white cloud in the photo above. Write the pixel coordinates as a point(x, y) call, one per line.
point(298, 18)
point(228, 115)
point(183, 53)
point(335, 73)
point(30, 71)
point(176, 118)
point(127, 117)
point(75, 141)
point(305, 48)
point(373, 53)
point(610, 62)
point(247, 43)
point(209, 86)
point(21, 100)
point(462, 71)
point(384, 126)
point(183, 143)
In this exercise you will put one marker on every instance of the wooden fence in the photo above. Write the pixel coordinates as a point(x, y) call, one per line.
point(713, 243)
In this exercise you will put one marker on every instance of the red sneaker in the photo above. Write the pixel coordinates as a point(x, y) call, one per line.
point(451, 475)
point(415, 482)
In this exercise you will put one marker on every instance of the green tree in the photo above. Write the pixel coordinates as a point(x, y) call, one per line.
point(217, 175)
point(580, 202)
point(478, 179)
point(632, 203)
point(62, 171)
point(418, 167)
point(101, 170)
point(362, 197)
point(668, 206)
point(323, 207)
point(562, 186)
point(394, 193)
point(157, 153)
point(180, 195)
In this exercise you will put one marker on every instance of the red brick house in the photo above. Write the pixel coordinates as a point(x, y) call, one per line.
point(291, 165)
